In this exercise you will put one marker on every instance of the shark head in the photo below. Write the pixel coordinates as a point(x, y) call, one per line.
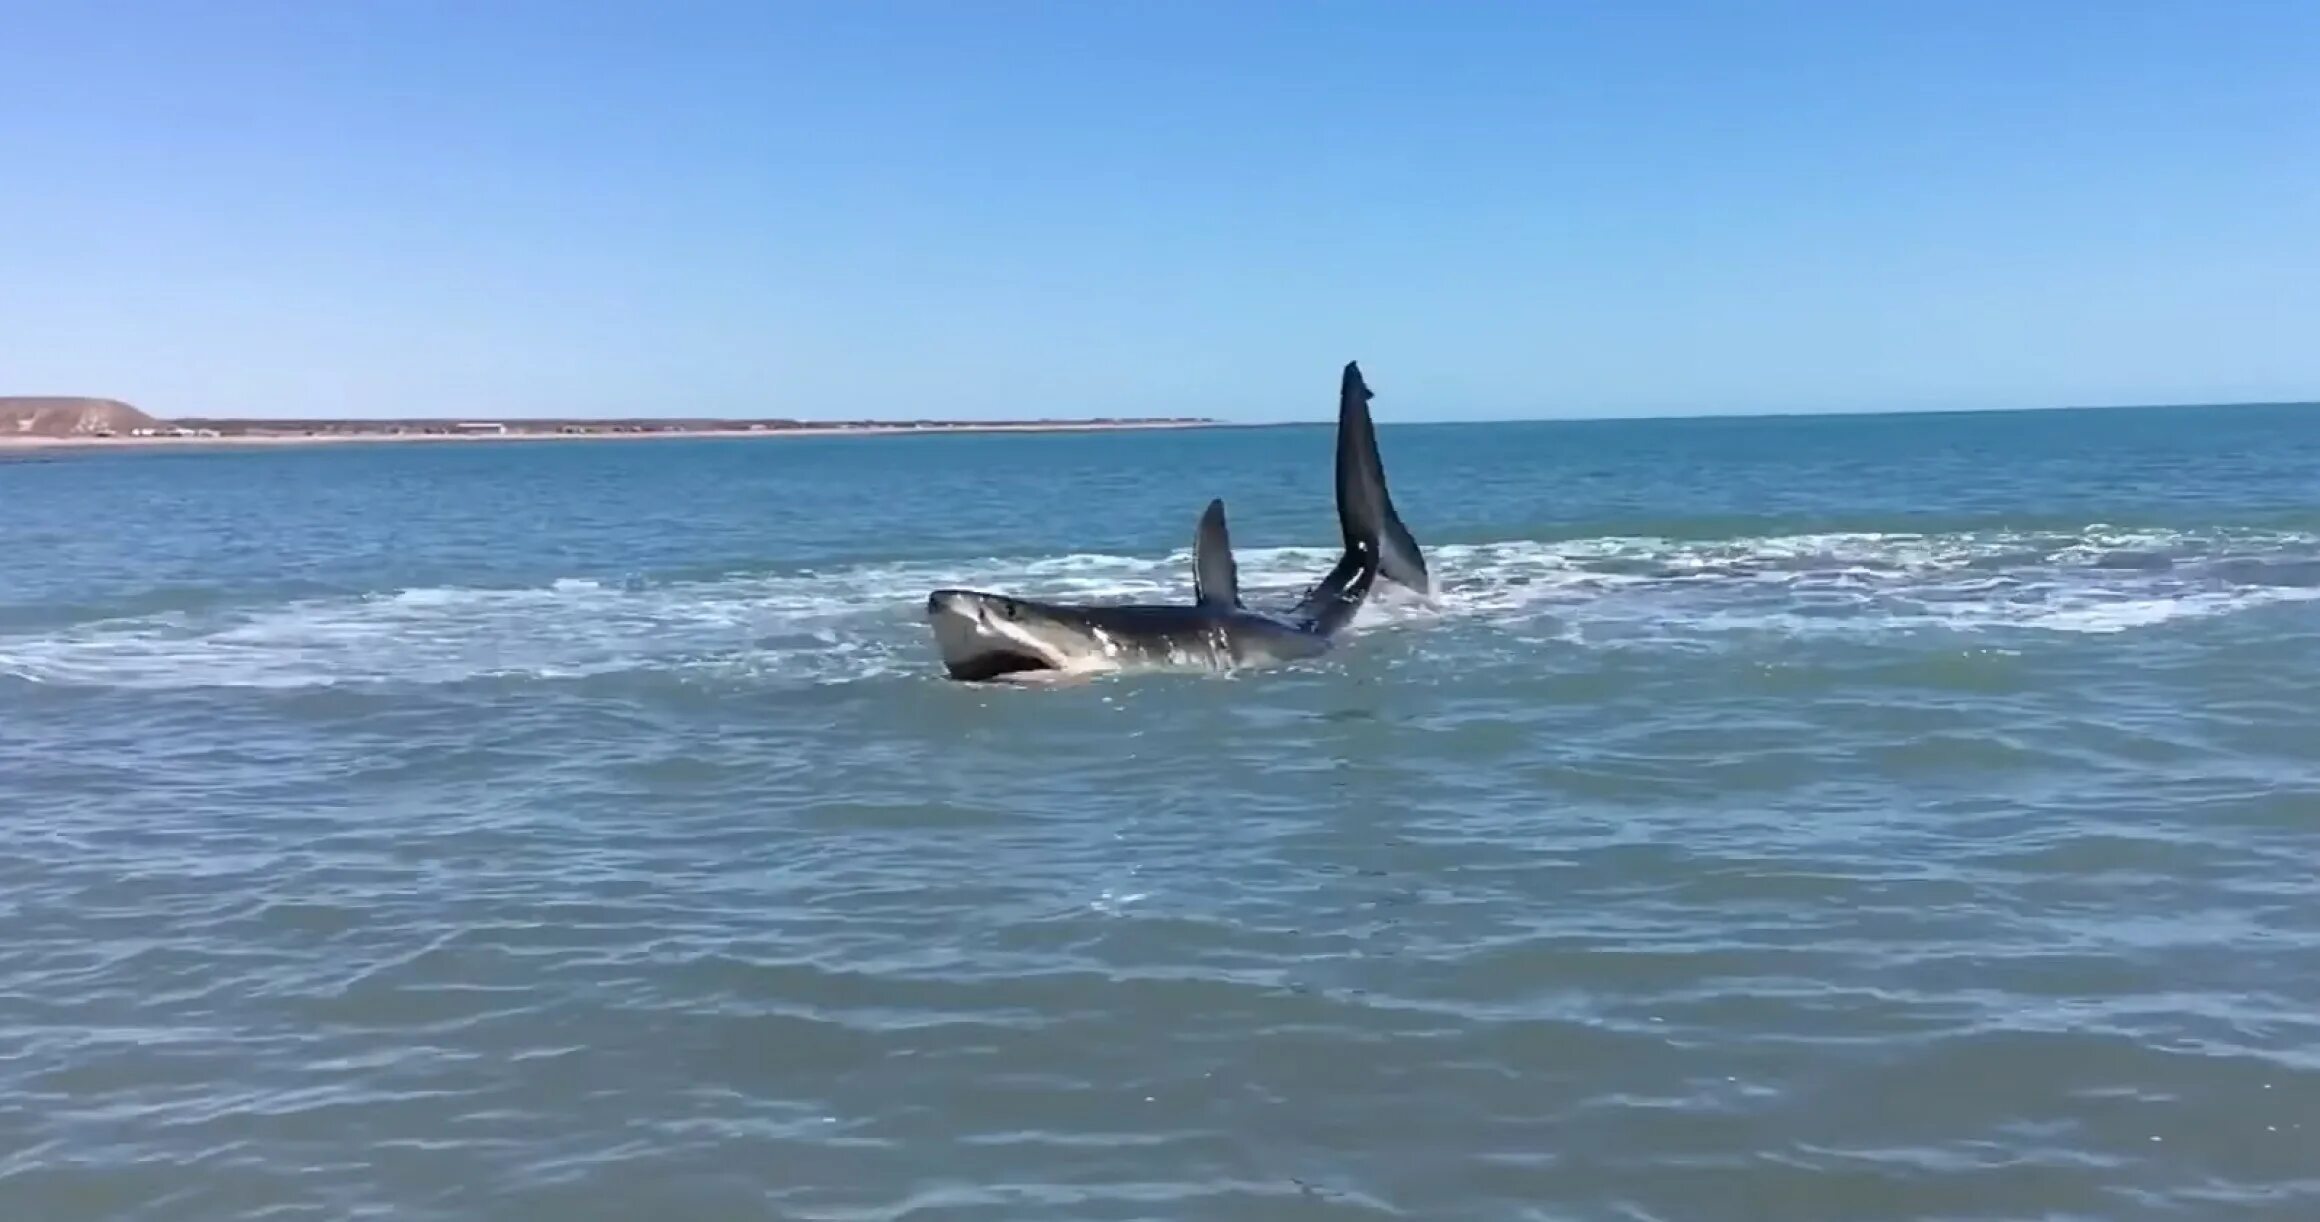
point(992, 636)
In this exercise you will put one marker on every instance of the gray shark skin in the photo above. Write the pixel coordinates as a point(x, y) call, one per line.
point(985, 637)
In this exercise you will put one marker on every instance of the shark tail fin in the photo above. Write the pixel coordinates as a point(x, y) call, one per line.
point(1216, 579)
point(1365, 511)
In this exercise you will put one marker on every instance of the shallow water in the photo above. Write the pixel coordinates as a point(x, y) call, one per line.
point(1841, 818)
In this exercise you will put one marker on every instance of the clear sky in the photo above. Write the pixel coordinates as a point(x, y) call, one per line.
point(884, 208)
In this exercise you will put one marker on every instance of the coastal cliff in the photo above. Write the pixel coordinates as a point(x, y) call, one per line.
point(70, 417)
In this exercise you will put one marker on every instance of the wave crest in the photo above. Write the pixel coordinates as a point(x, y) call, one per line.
point(861, 622)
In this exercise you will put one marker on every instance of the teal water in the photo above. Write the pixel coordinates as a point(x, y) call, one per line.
point(1870, 818)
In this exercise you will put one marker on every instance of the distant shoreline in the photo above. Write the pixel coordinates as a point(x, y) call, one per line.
point(210, 436)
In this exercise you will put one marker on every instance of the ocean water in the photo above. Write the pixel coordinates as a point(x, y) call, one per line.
point(1788, 819)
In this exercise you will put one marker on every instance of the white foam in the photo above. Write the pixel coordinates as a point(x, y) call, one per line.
point(860, 622)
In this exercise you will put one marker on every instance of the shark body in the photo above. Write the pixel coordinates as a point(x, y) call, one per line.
point(985, 636)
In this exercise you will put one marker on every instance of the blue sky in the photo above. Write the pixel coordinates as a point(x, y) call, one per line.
point(892, 208)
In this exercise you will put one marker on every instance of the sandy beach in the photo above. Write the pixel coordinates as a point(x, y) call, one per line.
point(21, 442)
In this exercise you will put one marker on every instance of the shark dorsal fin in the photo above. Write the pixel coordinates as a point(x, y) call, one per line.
point(1216, 580)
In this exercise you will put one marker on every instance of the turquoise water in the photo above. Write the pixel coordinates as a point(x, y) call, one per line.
point(1868, 818)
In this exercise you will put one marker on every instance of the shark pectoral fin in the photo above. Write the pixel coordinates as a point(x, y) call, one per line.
point(1216, 579)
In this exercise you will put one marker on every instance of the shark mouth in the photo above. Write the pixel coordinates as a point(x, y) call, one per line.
point(978, 646)
point(991, 664)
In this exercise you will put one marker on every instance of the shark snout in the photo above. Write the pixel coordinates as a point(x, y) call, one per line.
point(973, 606)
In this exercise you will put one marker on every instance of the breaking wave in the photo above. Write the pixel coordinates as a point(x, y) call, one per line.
point(861, 622)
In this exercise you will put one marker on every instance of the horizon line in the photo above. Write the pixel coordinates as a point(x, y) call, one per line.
point(940, 422)
point(1856, 412)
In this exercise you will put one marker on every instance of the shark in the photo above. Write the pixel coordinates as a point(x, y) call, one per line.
point(986, 637)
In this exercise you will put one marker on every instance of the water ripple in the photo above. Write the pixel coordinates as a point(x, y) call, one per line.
point(1749, 873)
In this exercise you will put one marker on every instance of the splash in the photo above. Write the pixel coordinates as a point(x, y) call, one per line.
point(861, 623)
